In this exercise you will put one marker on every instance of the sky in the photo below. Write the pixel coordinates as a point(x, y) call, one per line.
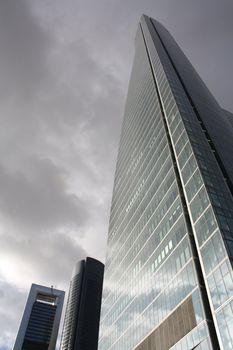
point(64, 71)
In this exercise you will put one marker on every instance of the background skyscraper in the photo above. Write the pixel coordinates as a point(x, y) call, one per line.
point(40, 323)
point(168, 277)
point(81, 325)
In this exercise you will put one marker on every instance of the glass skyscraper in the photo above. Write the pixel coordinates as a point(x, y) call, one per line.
point(40, 323)
point(168, 280)
point(81, 325)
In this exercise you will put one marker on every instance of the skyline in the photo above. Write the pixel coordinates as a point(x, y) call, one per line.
point(64, 83)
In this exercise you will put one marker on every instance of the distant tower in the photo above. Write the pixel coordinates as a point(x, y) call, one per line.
point(81, 325)
point(40, 323)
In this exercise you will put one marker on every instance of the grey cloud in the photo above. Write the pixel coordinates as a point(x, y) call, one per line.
point(23, 46)
point(42, 259)
point(76, 82)
point(64, 71)
point(11, 298)
point(38, 198)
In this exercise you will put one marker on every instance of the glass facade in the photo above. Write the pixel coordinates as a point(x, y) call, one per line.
point(72, 309)
point(171, 225)
point(40, 322)
point(40, 326)
point(81, 324)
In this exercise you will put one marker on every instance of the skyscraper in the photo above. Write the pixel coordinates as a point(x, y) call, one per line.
point(81, 325)
point(168, 276)
point(40, 323)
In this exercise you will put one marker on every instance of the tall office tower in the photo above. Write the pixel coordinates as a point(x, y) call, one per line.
point(168, 278)
point(40, 323)
point(81, 325)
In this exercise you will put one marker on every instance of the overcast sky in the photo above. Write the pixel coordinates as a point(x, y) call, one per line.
point(64, 71)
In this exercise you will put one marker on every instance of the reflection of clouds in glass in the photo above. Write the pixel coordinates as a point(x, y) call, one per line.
point(148, 307)
point(197, 338)
point(149, 238)
point(105, 331)
point(148, 261)
point(150, 211)
point(148, 282)
point(224, 318)
point(220, 284)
